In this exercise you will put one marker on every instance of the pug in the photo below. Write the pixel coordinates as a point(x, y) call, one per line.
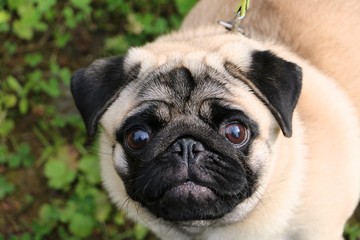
point(208, 134)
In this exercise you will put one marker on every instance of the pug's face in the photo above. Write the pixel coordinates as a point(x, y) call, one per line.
point(191, 125)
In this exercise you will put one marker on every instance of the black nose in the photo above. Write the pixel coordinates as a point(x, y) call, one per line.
point(187, 150)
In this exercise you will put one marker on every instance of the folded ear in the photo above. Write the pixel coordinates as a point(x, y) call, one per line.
point(94, 88)
point(276, 82)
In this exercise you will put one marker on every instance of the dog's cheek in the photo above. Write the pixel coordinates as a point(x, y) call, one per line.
point(120, 161)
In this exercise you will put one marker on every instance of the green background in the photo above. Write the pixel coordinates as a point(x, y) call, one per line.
point(50, 186)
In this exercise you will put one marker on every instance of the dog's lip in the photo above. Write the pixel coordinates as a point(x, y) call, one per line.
point(185, 189)
point(188, 187)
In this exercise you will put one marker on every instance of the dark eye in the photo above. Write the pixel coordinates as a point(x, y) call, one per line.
point(236, 133)
point(137, 138)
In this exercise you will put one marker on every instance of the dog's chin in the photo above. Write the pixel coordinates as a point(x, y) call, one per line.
point(188, 202)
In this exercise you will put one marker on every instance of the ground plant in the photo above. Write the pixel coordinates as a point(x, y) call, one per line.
point(50, 186)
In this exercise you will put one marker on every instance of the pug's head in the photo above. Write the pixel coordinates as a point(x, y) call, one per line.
point(190, 123)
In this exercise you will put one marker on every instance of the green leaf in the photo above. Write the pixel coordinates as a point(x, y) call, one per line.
point(5, 187)
point(6, 127)
point(26, 236)
point(4, 16)
point(33, 80)
point(61, 39)
point(118, 5)
point(33, 59)
point(22, 157)
point(116, 45)
point(27, 158)
point(50, 87)
point(47, 221)
point(160, 26)
point(70, 21)
point(140, 232)
point(184, 6)
point(103, 207)
point(44, 6)
point(15, 4)
point(4, 27)
point(58, 121)
point(65, 76)
point(23, 106)
point(41, 229)
point(14, 84)
point(85, 190)
point(4, 153)
point(83, 5)
point(9, 100)
point(89, 165)
point(119, 219)
point(352, 229)
point(10, 47)
point(48, 214)
point(30, 20)
point(23, 30)
point(81, 225)
point(28, 199)
point(59, 174)
point(14, 161)
point(68, 212)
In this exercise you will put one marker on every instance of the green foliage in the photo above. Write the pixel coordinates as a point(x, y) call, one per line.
point(60, 176)
point(184, 6)
point(44, 166)
point(89, 165)
point(352, 230)
point(21, 157)
point(5, 187)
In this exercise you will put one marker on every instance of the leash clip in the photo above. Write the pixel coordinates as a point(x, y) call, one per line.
point(230, 26)
point(234, 25)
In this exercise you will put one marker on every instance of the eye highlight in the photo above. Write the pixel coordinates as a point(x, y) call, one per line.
point(236, 133)
point(137, 138)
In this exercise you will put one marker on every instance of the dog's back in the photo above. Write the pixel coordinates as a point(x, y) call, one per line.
point(324, 32)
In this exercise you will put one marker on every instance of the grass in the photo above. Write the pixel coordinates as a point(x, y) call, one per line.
point(50, 185)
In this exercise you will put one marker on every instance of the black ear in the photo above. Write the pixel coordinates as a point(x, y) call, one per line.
point(276, 82)
point(96, 87)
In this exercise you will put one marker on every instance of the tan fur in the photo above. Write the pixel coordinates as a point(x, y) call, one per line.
point(324, 32)
point(312, 180)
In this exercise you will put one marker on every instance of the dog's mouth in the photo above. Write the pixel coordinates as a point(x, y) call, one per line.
point(188, 190)
point(189, 201)
point(189, 182)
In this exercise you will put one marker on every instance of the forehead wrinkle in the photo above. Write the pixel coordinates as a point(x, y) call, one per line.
point(185, 92)
point(161, 110)
point(154, 91)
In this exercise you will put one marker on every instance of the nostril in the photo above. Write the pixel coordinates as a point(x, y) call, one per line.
point(177, 148)
point(187, 149)
point(197, 147)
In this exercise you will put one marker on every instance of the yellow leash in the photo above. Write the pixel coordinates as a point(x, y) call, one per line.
point(234, 25)
point(242, 8)
point(240, 14)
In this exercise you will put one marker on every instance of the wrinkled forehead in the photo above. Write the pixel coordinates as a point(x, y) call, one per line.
point(181, 88)
point(178, 72)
